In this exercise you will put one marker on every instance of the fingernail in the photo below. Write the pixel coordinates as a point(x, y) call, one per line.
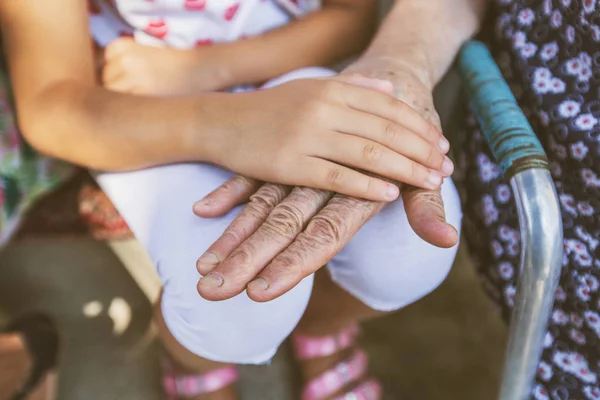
point(435, 179)
point(212, 280)
point(203, 203)
point(447, 167)
point(208, 258)
point(444, 145)
point(259, 284)
point(392, 192)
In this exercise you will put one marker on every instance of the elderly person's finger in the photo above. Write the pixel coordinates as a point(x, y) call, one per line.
point(326, 234)
point(235, 191)
point(250, 219)
point(285, 222)
point(426, 215)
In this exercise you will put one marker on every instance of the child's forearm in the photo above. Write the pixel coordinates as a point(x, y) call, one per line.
point(342, 28)
point(105, 130)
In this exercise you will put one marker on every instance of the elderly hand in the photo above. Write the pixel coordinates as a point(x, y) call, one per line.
point(285, 234)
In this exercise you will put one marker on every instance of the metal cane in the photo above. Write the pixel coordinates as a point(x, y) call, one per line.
point(522, 161)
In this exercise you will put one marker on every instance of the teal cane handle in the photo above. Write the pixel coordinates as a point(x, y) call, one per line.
point(510, 136)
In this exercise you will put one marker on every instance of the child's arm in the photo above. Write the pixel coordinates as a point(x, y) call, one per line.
point(302, 133)
point(337, 31)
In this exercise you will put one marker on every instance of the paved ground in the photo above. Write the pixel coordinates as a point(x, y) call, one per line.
point(447, 346)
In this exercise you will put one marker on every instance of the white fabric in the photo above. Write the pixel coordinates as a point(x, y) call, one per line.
point(385, 265)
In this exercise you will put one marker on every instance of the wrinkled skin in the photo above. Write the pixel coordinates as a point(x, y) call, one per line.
point(285, 234)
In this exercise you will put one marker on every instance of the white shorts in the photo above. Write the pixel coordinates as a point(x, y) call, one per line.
point(386, 265)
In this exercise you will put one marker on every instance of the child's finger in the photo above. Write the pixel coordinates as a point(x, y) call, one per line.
point(366, 155)
point(327, 175)
point(390, 108)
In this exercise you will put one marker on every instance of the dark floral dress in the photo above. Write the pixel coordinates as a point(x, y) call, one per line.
point(549, 51)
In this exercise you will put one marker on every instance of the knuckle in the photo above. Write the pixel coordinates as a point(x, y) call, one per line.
point(235, 235)
point(372, 153)
point(286, 220)
point(326, 229)
point(315, 111)
point(258, 207)
point(268, 196)
point(241, 180)
point(353, 209)
point(292, 263)
point(392, 132)
point(242, 260)
point(398, 106)
point(334, 176)
point(308, 195)
point(330, 88)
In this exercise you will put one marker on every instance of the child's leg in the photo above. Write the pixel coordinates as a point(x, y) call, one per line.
point(385, 267)
point(157, 205)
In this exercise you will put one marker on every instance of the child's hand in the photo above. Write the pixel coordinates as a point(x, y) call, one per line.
point(134, 68)
point(318, 133)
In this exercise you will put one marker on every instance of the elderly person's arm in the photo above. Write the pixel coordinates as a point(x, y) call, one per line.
point(413, 49)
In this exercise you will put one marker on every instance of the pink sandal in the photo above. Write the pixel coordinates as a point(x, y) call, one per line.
point(350, 370)
point(178, 386)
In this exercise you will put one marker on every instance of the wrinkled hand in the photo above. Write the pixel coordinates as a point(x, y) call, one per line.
point(284, 234)
point(130, 67)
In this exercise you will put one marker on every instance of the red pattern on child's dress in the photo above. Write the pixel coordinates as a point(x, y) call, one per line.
point(157, 28)
point(195, 5)
point(231, 11)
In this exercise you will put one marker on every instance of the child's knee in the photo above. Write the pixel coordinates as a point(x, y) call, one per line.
point(237, 330)
point(302, 73)
point(387, 266)
point(395, 282)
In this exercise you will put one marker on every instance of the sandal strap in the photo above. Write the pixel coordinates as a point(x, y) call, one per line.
point(196, 385)
point(333, 380)
point(367, 390)
point(307, 347)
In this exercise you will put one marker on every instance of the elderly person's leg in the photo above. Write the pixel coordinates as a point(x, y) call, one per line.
point(385, 267)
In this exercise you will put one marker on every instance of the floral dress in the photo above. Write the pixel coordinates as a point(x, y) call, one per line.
point(549, 52)
point(24, 174)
